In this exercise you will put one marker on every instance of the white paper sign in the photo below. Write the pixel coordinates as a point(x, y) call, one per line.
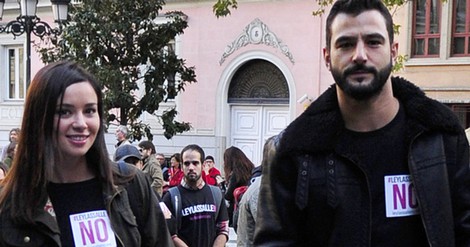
point(92, 229)
point(400, 196)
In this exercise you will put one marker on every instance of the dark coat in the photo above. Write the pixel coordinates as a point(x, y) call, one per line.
point(314, 194)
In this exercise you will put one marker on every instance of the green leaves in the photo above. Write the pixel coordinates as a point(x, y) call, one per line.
point(120, 42)
point(222, 7)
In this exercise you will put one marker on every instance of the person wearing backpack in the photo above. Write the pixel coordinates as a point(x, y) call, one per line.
point(198, 208)
point(237, 170)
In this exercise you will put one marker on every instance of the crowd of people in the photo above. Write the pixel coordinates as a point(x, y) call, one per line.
point(61, 188)
point(336, 176)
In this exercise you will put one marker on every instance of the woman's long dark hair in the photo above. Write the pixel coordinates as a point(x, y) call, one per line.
point(236, 162)
point(177, 157)
point(24, 188)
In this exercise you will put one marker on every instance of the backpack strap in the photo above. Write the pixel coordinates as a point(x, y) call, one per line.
point(175, 197)
point(217, 195)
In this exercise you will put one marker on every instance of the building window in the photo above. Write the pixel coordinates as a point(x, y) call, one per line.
point(15, 74)
point(461, 28)
point(463, 113)
point(426, 31)
point(170, 55)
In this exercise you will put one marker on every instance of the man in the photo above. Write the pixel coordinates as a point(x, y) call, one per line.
point(129, 154)
point(162, 161)
point(373, 161)
point(210, 174)
point(151, 165)
point(121, 136)
point(203, 219)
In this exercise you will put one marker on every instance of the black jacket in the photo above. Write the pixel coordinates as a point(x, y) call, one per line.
point(314, 194)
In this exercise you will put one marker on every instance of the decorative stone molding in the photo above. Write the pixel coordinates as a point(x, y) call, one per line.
point(260, 81)
point(256, 33)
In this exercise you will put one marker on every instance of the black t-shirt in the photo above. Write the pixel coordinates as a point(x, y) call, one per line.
point(198, 211)
point(80, 206)
point(394, 209)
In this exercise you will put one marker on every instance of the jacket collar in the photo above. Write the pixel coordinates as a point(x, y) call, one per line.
point(319, 126)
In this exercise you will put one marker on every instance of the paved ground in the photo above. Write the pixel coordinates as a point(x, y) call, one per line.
point(232, 242)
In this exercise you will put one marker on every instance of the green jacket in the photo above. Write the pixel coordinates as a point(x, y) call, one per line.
point(153, 169)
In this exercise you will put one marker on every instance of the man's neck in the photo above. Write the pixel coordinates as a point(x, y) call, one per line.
point(370, 114)
point(147, 158)
point(193, 185)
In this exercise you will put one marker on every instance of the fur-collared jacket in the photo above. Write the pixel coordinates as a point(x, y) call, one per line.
point(314, 194)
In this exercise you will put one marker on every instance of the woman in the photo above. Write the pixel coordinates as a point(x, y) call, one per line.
point(11, 149)
point(62, 189)
point(237, 169)
point(3, 170)
point(176, 174)
point(13, 137)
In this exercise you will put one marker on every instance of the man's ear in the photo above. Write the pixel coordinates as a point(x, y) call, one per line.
point(394, 50)
point(327, 58)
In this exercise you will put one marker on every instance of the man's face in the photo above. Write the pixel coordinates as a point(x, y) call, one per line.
point(360, 55)
point(209, 163)
point(192, 166)
point(145, 152)
point(120, 136)
point(161, 159)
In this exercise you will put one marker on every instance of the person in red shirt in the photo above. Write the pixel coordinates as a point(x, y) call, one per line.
point(210, 174)
point(175, 173)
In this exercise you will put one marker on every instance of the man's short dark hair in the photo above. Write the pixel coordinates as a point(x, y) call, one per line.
point(208, 157)
point(147, 145)
point(196, 148)
point(355, 8)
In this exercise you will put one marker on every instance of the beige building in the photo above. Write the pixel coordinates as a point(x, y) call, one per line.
point(435, 36)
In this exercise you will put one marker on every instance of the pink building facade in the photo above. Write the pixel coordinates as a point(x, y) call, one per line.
point(257, 69)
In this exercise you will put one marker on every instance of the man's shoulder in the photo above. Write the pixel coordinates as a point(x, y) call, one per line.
point(426, 111)
point(152, 161)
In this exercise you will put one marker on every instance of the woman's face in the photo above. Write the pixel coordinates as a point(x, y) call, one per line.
point(77, 121)
point(174, 163)
point(2, 174)
point(14, 136)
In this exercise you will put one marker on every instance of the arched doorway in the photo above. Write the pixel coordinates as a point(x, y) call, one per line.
point(258, 97)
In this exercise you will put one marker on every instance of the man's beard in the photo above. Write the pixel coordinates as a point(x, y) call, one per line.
point(362, 92)
point(192, 177)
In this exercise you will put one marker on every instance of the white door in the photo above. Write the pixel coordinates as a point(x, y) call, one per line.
point(251, 126)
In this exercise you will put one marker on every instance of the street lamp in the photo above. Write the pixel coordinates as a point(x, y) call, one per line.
point(27, 22)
